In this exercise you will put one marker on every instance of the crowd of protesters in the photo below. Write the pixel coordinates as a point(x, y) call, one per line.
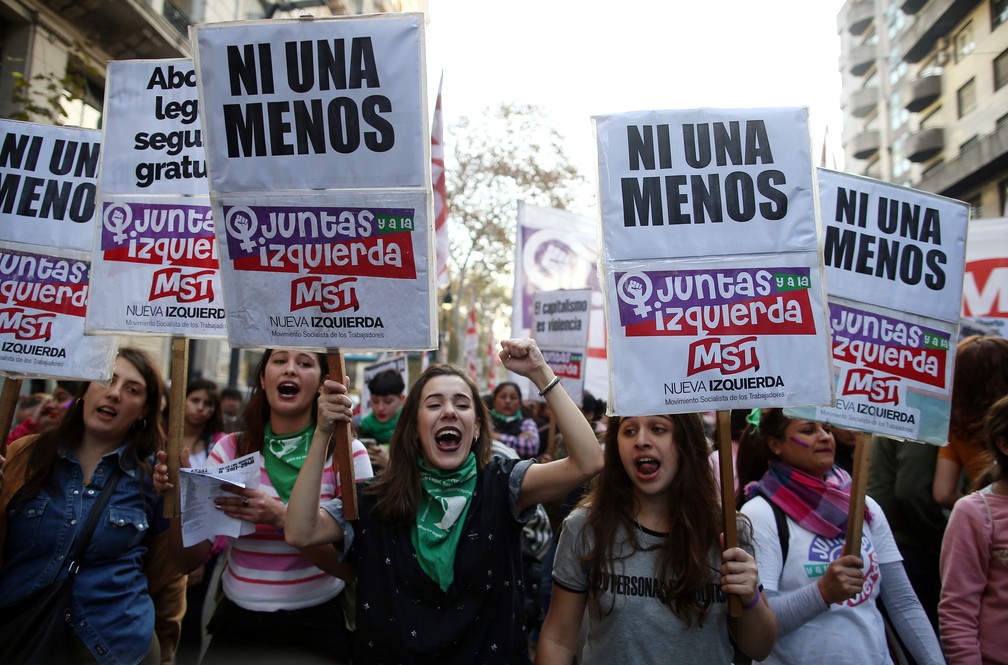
point(495, 529)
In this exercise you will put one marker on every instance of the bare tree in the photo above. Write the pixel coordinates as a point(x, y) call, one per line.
point(510, 153)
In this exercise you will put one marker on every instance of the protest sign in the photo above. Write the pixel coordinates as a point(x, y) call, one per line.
point(43, 296)
point(314, 105)
point(893, 259)
point(47, 184)
point(350, 269)
point(557, 249)
point(711, 261)
point(560, 327)
point(155, 260)
point(985, 284)
point(326, 235)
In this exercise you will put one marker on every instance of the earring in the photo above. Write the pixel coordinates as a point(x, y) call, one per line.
point(142, 422)
point(78, 401)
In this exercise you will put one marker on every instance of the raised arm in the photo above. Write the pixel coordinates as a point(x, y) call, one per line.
point(306, 523)
point(554, 480)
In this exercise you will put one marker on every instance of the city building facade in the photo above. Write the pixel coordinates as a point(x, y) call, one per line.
point(925, 96)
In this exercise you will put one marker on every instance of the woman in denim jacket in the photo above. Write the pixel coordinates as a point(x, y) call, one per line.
point(52, 481)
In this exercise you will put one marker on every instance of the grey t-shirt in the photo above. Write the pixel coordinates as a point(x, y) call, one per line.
point(640, 629)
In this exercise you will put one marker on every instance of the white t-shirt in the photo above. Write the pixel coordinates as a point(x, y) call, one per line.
point(849, 632)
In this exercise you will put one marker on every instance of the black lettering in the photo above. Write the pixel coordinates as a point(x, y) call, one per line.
point(383, 138)
point(642, 201)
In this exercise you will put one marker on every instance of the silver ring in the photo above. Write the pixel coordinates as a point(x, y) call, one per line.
point(244, 502)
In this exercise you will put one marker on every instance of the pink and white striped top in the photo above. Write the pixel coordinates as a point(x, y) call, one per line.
point(263, 572)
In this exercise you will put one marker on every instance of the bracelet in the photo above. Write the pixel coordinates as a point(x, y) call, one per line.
point(549, 386)
point(754, 603)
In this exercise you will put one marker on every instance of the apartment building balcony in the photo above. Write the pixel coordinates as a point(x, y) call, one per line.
point(861, 58)
point(864, 101)
point(924, 144)
point(911, 7)
point(866, 144)
point(922, 92)
point(129, 29)
point(859, 15)
point(983, 160)
point(935, 20)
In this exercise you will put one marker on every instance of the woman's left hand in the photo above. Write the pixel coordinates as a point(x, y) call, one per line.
point(739, 574)
point(334, 405)
point(252, 506)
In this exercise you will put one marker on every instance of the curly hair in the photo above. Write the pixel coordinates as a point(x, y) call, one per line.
point(694, 515)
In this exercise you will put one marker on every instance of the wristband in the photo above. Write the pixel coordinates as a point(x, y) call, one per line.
point(549, 386)
point(754, 603)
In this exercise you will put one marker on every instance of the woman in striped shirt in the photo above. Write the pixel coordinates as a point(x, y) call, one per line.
point(279, 601)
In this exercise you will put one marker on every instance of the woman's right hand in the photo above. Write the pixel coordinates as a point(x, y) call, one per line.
point(161, 479)
point(334, 405)
point(843, 579)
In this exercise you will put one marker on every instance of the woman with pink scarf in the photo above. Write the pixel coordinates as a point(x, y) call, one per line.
point(825, 601)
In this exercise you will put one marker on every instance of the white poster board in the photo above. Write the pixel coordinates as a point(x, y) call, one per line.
point(43, 296)
point(711, 261)
point(894, 276)
point(47, 184)
point(560, 327)
point(155, 259)
point(557, 249)
point(985, 284)
point(319, 158)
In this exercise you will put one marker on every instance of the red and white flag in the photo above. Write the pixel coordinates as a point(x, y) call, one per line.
point(440, 193)
point(492, 360)
point(471, 347)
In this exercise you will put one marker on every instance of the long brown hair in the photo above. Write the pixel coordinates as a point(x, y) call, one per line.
point(146, 436)
point(257, 411)
point(215, 423)
point(694, 517)
point(398, 488)
point(980, 379)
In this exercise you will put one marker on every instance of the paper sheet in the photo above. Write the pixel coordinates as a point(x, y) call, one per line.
point(201, 520)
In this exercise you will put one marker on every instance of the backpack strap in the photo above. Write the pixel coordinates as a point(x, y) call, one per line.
point(783, 533)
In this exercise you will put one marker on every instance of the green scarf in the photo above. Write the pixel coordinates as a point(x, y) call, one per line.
point(283, 457)
point(438, 527)
point(381, 432)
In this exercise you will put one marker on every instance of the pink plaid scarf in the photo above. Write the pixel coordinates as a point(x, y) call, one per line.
point(817, 504)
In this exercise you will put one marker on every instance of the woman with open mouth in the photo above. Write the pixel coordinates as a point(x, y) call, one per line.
point(52, 485)
point(437, 539)
point(643, 552)
point(825, 601)
point(280, 602)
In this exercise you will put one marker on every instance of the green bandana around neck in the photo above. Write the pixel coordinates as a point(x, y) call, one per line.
point(283, 456)
point(505, 419)
point(372, 428)
point(438, 526)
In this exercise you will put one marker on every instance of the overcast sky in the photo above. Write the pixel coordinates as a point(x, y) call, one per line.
point(582, 58)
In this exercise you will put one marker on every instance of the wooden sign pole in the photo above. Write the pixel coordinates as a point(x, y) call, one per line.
point(342, 454)
point(728, 495)
point(176, 421)
point(8, 403)
point(855, 518)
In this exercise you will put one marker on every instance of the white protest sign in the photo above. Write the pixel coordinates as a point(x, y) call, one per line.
point(560, 327)
point(398, 363)
point(985, 285)
point(320, 104)
point(319, 156)
point(339, 269)
point(43, 294)
point(894, 260)
point(893, 246)
point(155, 260)
point(711, 263)
point(557, 249)
point(47, 184)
